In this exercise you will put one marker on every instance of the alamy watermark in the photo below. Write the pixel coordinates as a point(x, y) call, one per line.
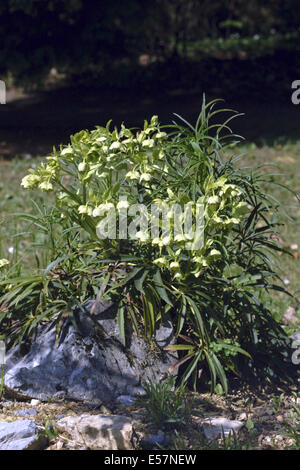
point(296, 353)
point(2, 92)
point(162, 223)
point(296, 94)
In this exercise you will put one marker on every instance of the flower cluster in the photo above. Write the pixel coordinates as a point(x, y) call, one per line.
point(101, 170)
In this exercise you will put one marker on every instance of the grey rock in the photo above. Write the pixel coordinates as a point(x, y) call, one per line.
point(90, 363)
point(136, 391)
point(296, 335)
point(99, 432)
point(126, 400)
point(164, 335)
point(24, 413)
point(215, 427)
point(20, 435)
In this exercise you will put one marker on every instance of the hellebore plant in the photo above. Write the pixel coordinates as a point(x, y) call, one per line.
point(210, 292)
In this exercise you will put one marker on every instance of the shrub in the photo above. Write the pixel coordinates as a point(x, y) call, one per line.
point(211, 293)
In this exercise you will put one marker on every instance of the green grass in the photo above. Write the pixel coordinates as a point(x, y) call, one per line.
point(285, 162)
point(19, 241)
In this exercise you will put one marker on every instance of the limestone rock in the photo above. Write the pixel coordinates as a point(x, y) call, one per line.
point(215, 427)
point(99, 432)
point(90, 363)
point(20, 435)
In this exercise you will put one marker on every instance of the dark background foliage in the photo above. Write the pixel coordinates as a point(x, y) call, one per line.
point(129, 60)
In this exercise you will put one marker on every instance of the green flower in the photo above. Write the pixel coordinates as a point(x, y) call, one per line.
point(85, 210)
point(123, 205)
point(115, 145)
point(133, 175)
point(3, 262)
point(161, 135)
point(215, 254)
point(81, 166)
point(46, 186)
point(67, 151)
point(213, 200)
point(102, 208)
point(145, 177)
point(148, 143)
point(174, 265)
point(161, 262)
point(30, 181)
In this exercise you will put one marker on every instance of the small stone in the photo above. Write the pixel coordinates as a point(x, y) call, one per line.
point(243, 416)
point(7, 404)
point(105, 410)
point(99, 432)
point(215, 427)
point(35, 402)
point(21, 435)
point(136, 391)
point(279, 419)
point(24, 413)
point(126, 400)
